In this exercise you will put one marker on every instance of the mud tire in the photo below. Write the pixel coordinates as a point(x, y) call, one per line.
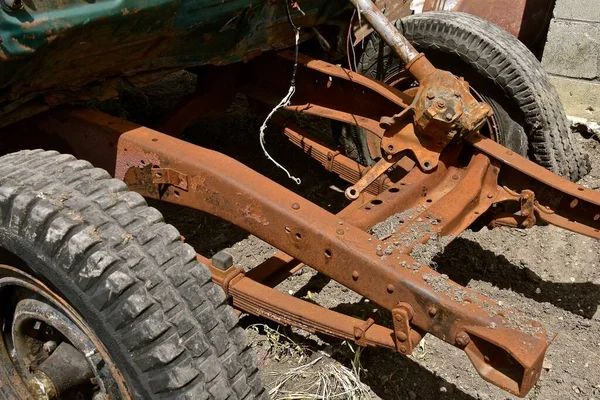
point(166, 326)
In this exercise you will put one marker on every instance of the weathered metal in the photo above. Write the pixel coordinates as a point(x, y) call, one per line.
point(226, 188)
point(382, 25)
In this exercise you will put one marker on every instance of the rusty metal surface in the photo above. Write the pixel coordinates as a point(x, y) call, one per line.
point(557, 200)
point(324, 91)
point(388, 32)
point(225, 188)
point(393, 10)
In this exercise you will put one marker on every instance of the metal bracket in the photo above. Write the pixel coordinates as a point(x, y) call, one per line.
point(401, 316)
point(359, 331)
point(527, 200)
point(170, 177)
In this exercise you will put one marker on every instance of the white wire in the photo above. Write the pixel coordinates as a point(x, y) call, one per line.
point(283, 103)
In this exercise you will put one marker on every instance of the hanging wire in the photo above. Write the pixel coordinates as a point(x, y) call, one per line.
point(287, 99)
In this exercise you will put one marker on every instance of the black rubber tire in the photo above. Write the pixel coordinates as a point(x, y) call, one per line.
point(166, 325)
point(530, 115)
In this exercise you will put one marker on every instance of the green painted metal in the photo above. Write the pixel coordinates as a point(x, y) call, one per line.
point(50, 44)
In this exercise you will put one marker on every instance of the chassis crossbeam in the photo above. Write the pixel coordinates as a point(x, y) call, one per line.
point(505, 348)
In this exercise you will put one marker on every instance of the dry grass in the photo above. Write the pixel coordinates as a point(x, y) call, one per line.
point(322, 379)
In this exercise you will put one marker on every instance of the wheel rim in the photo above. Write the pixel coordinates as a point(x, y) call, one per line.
point(48, 350)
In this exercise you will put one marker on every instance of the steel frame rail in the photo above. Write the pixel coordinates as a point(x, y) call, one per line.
point(504, 347)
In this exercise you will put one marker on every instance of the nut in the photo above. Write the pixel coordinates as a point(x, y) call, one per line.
point(462, 339)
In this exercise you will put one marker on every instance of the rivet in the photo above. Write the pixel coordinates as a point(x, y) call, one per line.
point(574, 203)
point(339, 231)
point(432, 311)
point(402, 349)
point(390, 288)
point(489, 196)
point(510, 153)
point(399, 317)
point(296, 206)
point(355, 275)
point(401, 336)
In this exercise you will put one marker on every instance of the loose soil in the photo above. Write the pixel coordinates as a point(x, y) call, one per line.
point(549, 274)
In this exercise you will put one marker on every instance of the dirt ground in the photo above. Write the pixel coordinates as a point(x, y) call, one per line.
point(551, 275)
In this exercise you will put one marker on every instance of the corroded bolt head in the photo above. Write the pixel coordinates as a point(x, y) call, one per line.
point(449, 116)
point(440, 104)
point(430, 95)
point(462, 339)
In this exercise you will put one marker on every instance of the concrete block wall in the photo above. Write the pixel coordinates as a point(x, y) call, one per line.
point(572, 56)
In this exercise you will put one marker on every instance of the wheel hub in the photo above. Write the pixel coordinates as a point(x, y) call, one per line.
point(53, 351)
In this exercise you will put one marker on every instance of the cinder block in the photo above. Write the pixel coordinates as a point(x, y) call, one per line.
point(580, 98)
point(583, 10)
point(573, 49)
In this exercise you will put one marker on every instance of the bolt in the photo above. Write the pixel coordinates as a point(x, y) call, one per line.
point(432, 311)
point(296, 206)
point(440, 104)
point(430, 95)
point(462, 339)
point(355, 275)
point(401, 336)
point(222, 260)
point(449, 116)
point(49, 346)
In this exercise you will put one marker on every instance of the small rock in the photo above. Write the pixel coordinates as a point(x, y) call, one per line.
point(576, 389)
point(586, 323)
point(538, 291)
point(443, 389)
